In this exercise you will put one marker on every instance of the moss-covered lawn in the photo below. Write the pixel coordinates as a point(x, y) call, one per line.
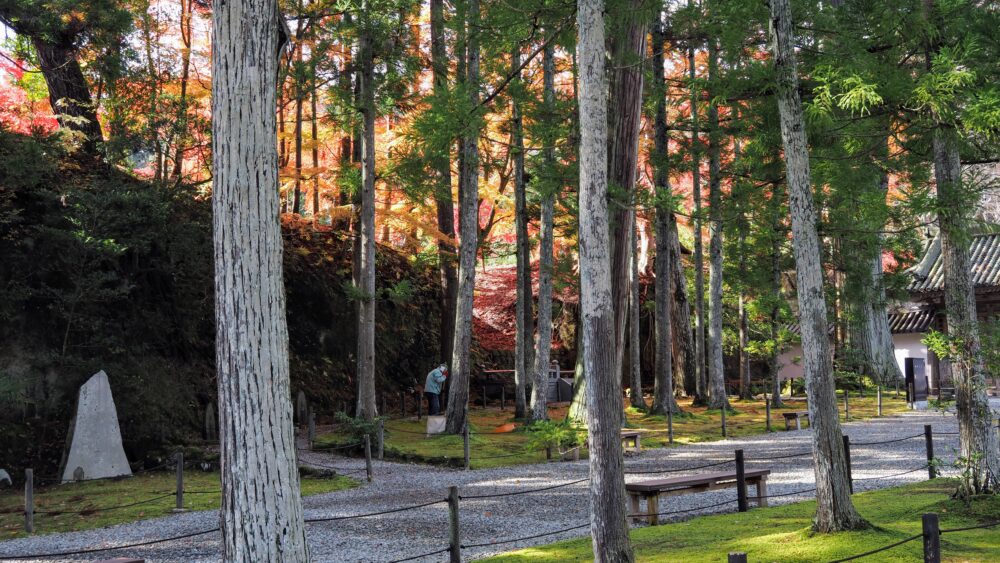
point(88, 497)
point(782, 533)
point(405, 439)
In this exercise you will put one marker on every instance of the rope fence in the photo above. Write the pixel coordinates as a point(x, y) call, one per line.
point(524, 492)
point(452, 502)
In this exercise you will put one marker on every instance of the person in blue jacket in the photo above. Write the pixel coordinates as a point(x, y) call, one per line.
point(432, 389)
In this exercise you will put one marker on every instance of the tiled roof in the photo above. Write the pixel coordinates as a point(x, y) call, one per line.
point(910, 321)
point(928, 275)
point(904, 321)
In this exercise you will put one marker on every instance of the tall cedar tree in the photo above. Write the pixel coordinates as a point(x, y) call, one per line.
point(56, 31)
point(523, 339)
point(458, 398)
point(366, 407)
point(663, 381)
point(442, 191)
point(979, 441)
point(834, 509)
point(261, 516)
point(717, 398)
point(608, 525)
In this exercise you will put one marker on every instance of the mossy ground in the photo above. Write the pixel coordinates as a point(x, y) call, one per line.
point(783, 533)
point(405, 439)
point(88, 497)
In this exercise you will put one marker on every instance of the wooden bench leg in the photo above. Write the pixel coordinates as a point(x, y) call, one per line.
point(762, 492)
point(638, 444)
point(635, 508)
point(798, 423)
point(653, 502)
point(788, 424)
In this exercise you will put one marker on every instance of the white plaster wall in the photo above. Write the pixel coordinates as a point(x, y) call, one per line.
point(907, 346)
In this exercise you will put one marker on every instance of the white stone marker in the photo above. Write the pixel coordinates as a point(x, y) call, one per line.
point(94, 436)
point(436, 424)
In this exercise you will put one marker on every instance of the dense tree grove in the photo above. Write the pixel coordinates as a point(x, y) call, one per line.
point(682, 189)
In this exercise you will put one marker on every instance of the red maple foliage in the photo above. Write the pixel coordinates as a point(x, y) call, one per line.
point(17, 112)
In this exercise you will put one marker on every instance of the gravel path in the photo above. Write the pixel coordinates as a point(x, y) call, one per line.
point(409, 533)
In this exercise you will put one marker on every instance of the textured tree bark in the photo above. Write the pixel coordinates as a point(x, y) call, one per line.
point(634, 344)
point(366, 407)
point(772, 361)
point(314, 137)
point(297, 197)
point(717, 398)
point(683, 336)
point(700, 373)
point(539, 410)
point(187, 7)
point(874, 337)
point(261, 516)
point(834, 508)
point(746, 392)
point(663, 379)
point(977, 437)
point(69, 94)
point(442, 193)
point(458, 397)
point(524, 338)
point(608, 525)
point(627, 49)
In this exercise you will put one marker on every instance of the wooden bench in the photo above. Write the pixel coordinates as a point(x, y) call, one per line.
point(797, 417)
point(652, 490)
point(946, 393)
point(632, 437)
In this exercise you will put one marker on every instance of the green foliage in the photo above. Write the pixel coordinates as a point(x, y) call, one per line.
point(358, 428)
point(943, 345)
point(558, 435)
point(990, 334)
point(104, 271)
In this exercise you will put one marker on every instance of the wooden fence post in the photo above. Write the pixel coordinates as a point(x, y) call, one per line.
point(878, 395)
point(29, 501)
point(738, 557)
point(311, 430)
point(929, 445)
point(465, 442)
point(932, 538)
point(670, 426)
point(724, 409)
point(402, 404)
point(767, 411)
point(179, 494)
point(847, 460)
point(420, 407)
point(484, 396)
point(741, 482)
point(381, 438)
point(368, 457)
point(503, 397)
point(454, 535)
point(847, 405)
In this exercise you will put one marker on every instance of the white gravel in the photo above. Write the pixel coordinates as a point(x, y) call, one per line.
point(405, 534)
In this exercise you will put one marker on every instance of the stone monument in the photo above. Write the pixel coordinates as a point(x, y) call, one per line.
point(94, 439)
point(211, 424)
point(301, 406)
